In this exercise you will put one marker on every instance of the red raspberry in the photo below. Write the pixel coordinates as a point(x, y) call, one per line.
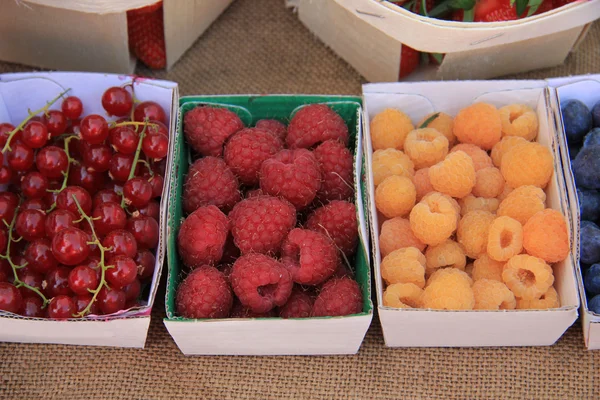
point(299, 305)
point(246, 151)
point(204, 293)
point(275, 127)
point(293, 175)
point(310, 256)
point(260, 224)
point(202, 236)
point(314, 124)
point(207, 128)
point(209, 181)
point(335, 161)
point(337, 220)
point(338, 297)
point(261, 282)
point(239, 311)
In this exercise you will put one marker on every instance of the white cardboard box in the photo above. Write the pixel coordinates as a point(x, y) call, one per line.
point(21, 91)
point(437, 328)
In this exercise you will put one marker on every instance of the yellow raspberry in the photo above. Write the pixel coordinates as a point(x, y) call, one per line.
point(503, 146)
point(472, 203)
point(389, 129)
point(443, 123)
point(488, 182)
point(519, 120)
point(522, 203)
point(448, 289)
point(528, 277)
point(546, 301)
point(454, 176)
point(505, 192)
point(493, 295)
point(395, 196)
point(422, 183)
point(426, 147)
point(396, 234)
point(434, 218)
point(472, 232)
point(505, 238)
point(480, 158)
point(486, 268)
point(405, 265)
point(447, 254)
point(403, 295)
point(478, 124)
point(545, 235)
point(527, 164)
point(390, 162)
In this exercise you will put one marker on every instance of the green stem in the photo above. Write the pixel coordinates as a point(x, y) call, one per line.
point(131, 123)
point(136, 158)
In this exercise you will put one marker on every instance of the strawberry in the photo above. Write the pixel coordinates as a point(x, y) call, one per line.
point(494, 10)
point(546, 5)
point(147, 36)
point(418, 6)
point(560, 3)
point(409, 61)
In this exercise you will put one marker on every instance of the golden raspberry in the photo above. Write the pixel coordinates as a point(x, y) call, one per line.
point(426, 147)
point(480, 158)
point(519, 120)
point(396, 234)
point(395, 196)
point(493, 295)
point(546, 301)
point(505, 192)
point(528, 277)
point(390, 162)
point(486, 268)
point(478, 124)
point(488, 182)
point(527, 164)
point(434, 218)
point(447, 254)
point(505, 238)
point(422, 183)
point(545, 236)
point(472, 232)
point(522, 203)
point(443, 123)
point(472, 203)
point(389, 129)
point(403, 295)
point(454, 176)
point(405, 265)
point(503, 146)
point(448, 289)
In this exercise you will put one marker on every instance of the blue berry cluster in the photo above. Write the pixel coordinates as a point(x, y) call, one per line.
point(582, 128)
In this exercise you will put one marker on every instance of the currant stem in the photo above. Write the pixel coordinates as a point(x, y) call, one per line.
point(70, 161)
point(31, 115)
point(131, 123)
point(136, 157)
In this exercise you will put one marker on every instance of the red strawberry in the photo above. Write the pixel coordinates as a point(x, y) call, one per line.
point(494, 10)
point(147, 36)
point(546, 5)
point(409, 61)
point(560, 3)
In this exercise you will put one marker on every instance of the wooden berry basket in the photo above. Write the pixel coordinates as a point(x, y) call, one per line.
point(369, 35)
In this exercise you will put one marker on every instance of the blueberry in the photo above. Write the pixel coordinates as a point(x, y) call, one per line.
point(589, 243)
point(577, 120)
point(596, 114)
point(573, 151)
point(591, 280)
point(586, 167)
point(592, 138)
point(589, 204)
point(594, 304)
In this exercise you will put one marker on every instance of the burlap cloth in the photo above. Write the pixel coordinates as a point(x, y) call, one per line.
point(260, 47)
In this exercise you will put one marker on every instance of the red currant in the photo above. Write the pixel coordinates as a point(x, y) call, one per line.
point(151, 210)
point(82, 301)
point(97, 157)
point(89, 180)
point(93, 129)
point(57, 281)
point(94, 249)
point(158, 127)
point(35, 135)
point(52, 161)
point(70, 246)
point(20, 157)
point(108, 216)
point(61, 307)
point(114, 187)
point(157, 183)
point(124, 139)
point(111, 300)
point(6, 272)
point(72, 107)
point(3, 240)
point(155, 146)
point(120, 166)
point(105, 195)
point(65, 200)
point(34, 185)
point(30, 278)
point(122, 273)
point(137, 192)
point(34, 204)
point(32, 307)
point(146, 262)
point(30, 224)
point(121, 242)
point(8, 205)
point(133, 290)
point(82, 278)
point(11, 300)
point(39, 256)
point(5, 175)
point(145, 231)
point(149, 110)
point(56, 122)
point(117, 101)
point(58, 220)
point(5, 130)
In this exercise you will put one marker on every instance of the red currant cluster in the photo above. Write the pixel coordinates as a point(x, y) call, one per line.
point(80, 209)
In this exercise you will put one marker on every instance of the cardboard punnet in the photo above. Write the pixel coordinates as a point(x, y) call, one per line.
point(369, 35)
point(587, 89)
point(91, 35)
point(22, 91)
point(268, 336)
point(440, 328)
